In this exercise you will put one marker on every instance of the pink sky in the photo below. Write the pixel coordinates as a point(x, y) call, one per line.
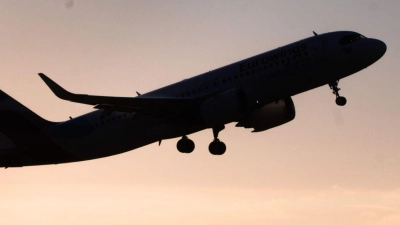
point(330, 165)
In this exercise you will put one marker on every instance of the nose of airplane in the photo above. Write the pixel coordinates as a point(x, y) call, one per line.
point(379, 47)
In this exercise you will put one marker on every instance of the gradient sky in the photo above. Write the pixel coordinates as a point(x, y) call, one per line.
point(331, 165)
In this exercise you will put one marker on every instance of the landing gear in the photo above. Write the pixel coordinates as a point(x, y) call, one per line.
point(217, 147)
point(340, 101)
point(185, 145)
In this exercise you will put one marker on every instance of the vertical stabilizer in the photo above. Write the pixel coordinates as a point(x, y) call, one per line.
point(25, 137)
point(11, 109)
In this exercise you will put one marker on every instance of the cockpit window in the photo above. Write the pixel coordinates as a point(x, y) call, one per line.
point(350, 39)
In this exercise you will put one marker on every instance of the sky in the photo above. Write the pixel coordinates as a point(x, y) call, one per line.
point(330, 165)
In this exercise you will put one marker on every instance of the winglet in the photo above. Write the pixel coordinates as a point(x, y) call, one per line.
point(55, 88)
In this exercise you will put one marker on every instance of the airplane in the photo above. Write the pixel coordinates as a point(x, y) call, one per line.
point(254, 93)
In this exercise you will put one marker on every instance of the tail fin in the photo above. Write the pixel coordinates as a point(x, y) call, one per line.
point(9, 106)
point(25, 137)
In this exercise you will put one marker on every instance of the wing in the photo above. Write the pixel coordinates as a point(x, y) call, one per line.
point(5, 143)
point(126, 104)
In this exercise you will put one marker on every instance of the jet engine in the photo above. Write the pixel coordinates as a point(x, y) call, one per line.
point(272, 115)
point(243, 106)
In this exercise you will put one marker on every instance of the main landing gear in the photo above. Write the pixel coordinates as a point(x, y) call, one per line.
point(340, 101)
point(185, 145)
point(217, 147)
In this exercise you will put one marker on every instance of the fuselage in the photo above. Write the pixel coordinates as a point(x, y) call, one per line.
point(273, 75)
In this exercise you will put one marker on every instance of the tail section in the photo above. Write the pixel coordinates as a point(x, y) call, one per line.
point(24, 137)
point(10, 105)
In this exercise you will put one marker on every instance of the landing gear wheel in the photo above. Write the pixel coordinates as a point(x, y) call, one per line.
point(185, 145)
point(217, 147)
point(341, 101)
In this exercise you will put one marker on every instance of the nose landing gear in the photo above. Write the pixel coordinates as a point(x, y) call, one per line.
point(340, 100)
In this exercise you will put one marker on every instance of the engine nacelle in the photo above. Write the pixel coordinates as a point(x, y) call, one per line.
point(273, 115)
point(239, 104)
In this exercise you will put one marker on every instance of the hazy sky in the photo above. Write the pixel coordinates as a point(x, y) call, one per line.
point(331, 165)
